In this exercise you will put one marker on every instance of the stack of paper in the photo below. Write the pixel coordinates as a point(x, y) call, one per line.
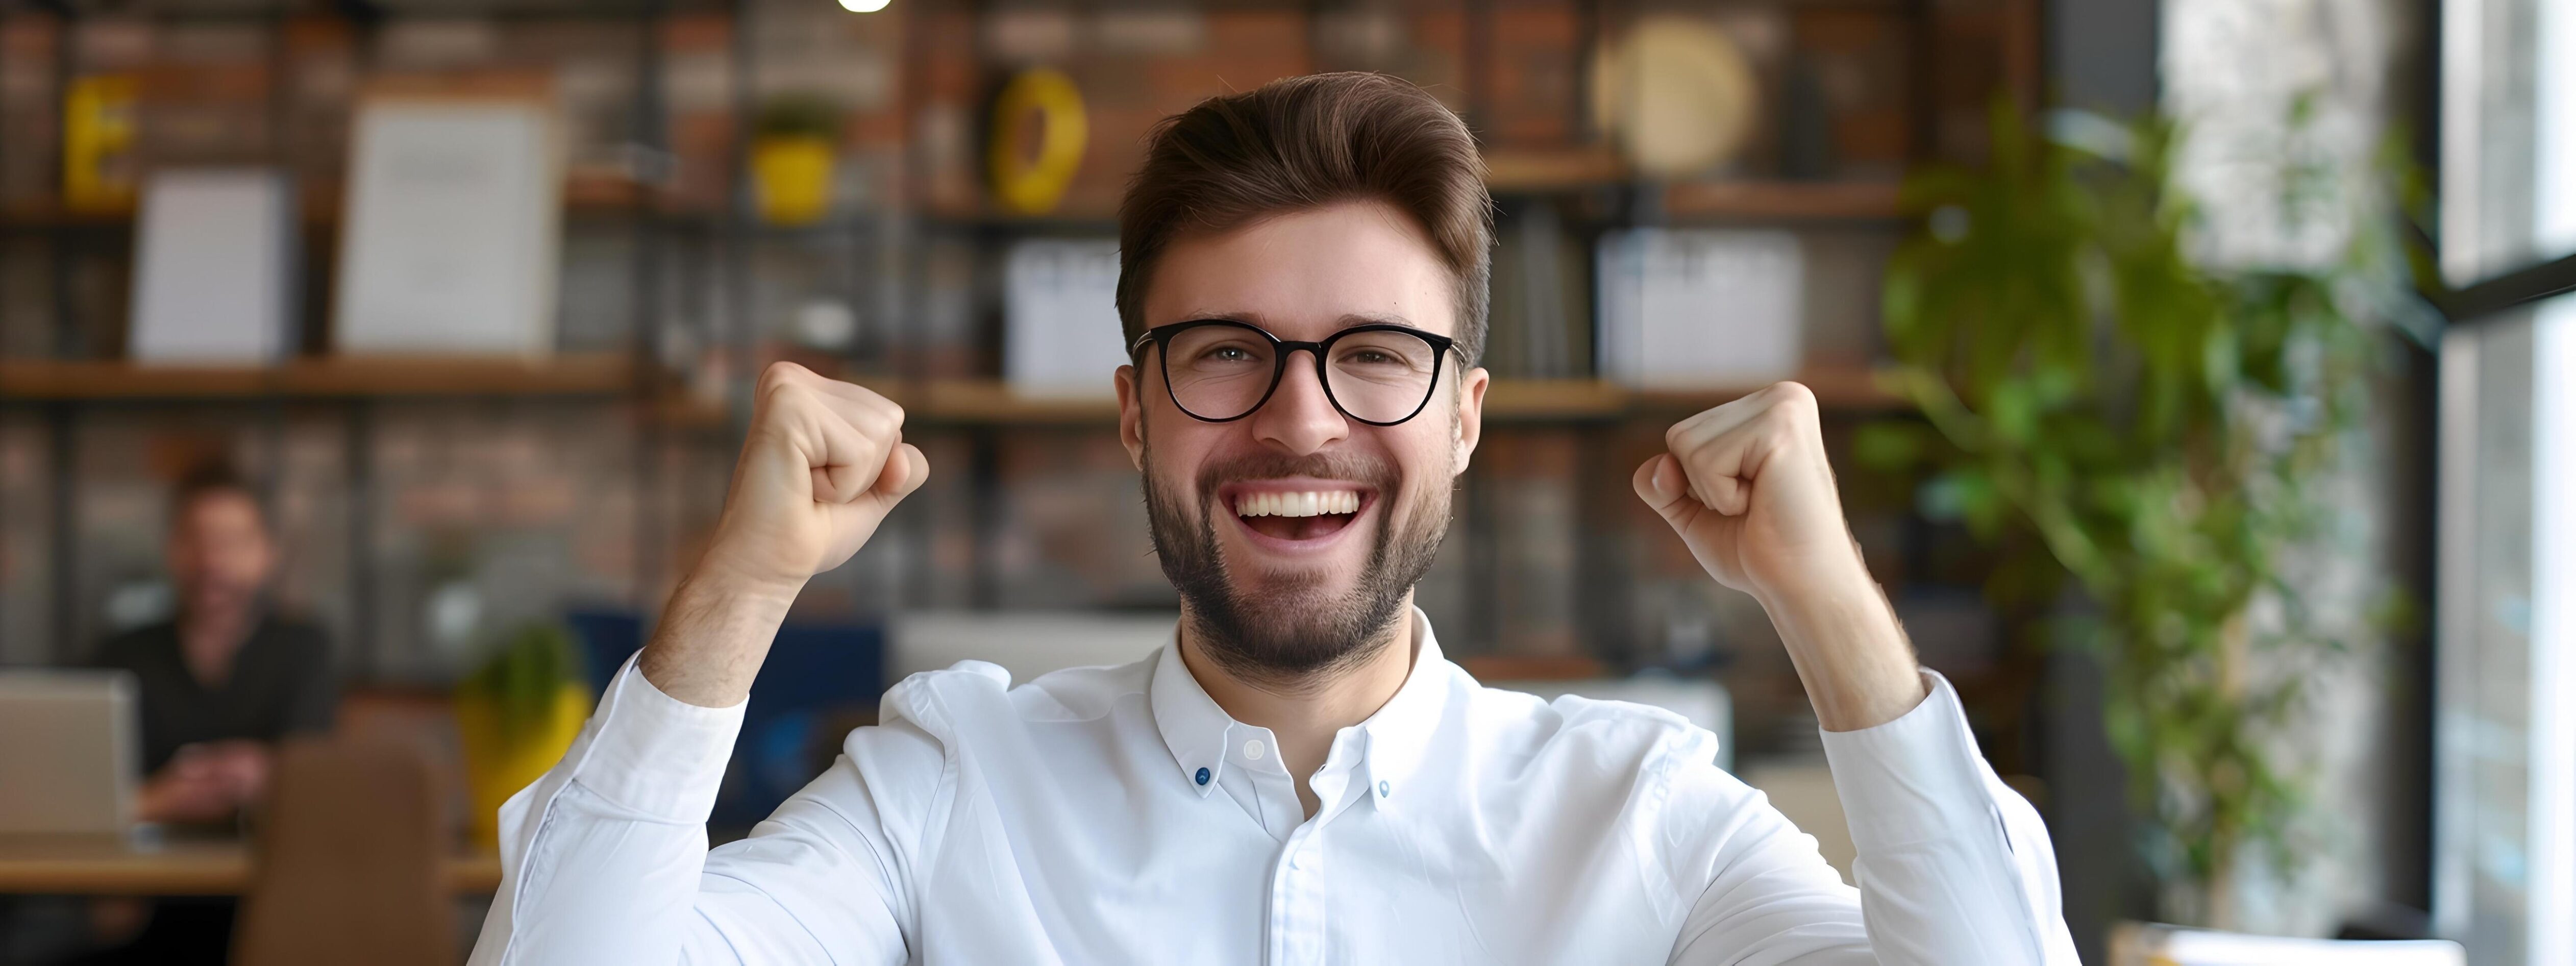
point(1700, 309)
point(2161, 945)
point(214, 278)
point(1060, 318)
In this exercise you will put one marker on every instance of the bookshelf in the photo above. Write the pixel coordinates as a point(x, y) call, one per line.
point(1783, 200)
point(318, 206)
point(316, 377)
point(691, 258)
point(1841, 390)
point(1521, 172)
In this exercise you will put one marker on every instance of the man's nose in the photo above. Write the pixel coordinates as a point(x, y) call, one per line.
point(1299, 417)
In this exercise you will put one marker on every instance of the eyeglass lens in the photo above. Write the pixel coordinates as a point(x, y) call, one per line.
point(1221, 372)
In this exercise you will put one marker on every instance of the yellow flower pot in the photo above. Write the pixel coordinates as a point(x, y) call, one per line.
point(792, 177)
point(497, 767)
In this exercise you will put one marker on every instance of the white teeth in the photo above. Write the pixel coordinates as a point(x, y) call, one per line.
point(1304, 504)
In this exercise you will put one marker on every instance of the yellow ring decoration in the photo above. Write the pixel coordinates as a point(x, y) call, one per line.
point(1035, 185)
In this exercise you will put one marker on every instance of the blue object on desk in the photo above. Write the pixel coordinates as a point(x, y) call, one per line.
point(813, 671)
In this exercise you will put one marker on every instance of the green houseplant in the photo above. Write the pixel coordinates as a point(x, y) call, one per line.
point(2141, 436)
point(794, 148)
point(516, 714)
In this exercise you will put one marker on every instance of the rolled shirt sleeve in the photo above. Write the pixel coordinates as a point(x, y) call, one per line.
point(596, 855)
point(1953, 865)
point(605, 859)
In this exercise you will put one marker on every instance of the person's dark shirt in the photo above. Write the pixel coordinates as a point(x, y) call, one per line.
point(280, 685)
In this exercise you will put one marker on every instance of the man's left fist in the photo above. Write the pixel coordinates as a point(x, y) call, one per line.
point(1747, 487)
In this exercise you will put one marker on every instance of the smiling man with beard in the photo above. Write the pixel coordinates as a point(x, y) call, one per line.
point(1298, 775)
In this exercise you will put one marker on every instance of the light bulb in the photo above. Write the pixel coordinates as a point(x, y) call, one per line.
point(864, 6)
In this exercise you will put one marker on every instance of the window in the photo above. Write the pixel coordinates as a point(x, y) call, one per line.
point(2505, 801)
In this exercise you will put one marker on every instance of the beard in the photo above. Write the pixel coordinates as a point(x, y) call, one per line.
point(1295, 632)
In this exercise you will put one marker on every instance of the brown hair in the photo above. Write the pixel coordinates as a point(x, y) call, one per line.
point(212, 478)
point(1302, 143)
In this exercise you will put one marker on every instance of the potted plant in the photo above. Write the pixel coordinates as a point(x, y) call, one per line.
point(2144, 432)
point(794, 148)
point(516, 715)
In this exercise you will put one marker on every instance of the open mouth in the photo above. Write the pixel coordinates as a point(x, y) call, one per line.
point(1299, 514)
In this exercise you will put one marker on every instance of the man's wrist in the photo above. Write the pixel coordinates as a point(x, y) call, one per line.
point(724, 574)
point(714, 634)
point(1851, 653)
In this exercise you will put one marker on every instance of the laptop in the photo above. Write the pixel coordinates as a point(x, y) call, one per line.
point(68, 761)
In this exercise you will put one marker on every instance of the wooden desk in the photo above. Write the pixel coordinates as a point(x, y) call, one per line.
point(79, 865)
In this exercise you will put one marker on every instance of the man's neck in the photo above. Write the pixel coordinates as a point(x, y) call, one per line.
point(209, 640)
point(1304, 718)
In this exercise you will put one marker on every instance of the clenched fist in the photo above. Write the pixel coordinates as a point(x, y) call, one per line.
point(824, 463)
point(1747, 487)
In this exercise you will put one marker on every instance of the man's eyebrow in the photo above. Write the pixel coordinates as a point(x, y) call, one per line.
point(1245, 316)
point(1253, 317)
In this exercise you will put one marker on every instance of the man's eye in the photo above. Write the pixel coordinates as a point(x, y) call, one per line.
point(1371, 357)
point(1233, 354)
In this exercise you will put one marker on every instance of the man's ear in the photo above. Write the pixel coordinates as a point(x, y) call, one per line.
point(1471, 415)
point(1131, 415)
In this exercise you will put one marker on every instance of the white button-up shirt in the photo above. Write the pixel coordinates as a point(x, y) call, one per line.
point(1118, 815)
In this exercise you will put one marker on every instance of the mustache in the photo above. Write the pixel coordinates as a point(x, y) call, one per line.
point(1356, 467)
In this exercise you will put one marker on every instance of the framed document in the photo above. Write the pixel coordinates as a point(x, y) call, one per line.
point(453, 224)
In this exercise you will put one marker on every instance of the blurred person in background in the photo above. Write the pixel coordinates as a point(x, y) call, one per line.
point(220, 684)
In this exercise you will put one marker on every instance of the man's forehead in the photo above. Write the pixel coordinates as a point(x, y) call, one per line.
point(1288, 327)
point(1307, 274)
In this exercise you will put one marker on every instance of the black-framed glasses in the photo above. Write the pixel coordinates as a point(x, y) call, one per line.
point(1221, 370)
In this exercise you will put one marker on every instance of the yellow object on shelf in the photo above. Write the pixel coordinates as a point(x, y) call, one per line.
point(98, 143)
point(1676, 94)
point(1030, 179)
point(793, 173)
point(498, 765)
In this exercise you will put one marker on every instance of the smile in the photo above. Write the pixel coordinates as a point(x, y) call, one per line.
point(1295, 515)
point(1306, 503)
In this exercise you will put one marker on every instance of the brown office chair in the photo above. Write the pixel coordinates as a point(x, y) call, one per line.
point(349, 863)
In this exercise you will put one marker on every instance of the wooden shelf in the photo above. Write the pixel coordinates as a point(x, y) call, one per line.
point(1763, 199)
point(1506, 172)
point(990, 402)
point(1554, 170)
point(1574, 169)
point(1783, 200)
point(318, 378)
point(112, 865)
point(935, 401)
point(318, 205)
point(1846, 389)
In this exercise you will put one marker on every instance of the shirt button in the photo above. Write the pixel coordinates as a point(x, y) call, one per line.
point(1383, 789)
point(1253, 750)
point(1203, 776)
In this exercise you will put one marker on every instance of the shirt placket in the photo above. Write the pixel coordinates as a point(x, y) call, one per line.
point(1299, 928)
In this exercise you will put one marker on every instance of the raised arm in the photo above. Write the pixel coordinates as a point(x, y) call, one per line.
point(605, 858)
point(1952, 866)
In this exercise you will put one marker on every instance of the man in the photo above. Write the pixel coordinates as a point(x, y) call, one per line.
point(226, 677)
point(1299, 776)
point(219, 685)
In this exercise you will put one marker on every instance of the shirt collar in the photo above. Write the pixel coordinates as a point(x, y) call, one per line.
point(1195, 729)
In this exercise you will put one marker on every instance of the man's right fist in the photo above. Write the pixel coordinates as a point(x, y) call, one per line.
point(824, 463)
